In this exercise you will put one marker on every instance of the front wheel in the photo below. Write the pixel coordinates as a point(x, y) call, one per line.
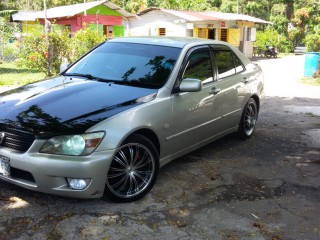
point(133, 170)
point(248, 119)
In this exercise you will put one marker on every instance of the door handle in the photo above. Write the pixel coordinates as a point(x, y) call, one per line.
point(214, 91)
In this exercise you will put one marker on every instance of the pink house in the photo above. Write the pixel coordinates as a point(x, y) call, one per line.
point(105, 16)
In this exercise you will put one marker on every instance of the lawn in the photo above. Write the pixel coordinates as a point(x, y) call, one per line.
point(311, 81)
point(10, 74)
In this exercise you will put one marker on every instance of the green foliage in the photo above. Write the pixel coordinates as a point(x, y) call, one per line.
point(195, 5)
point(284, 45)
point(258, 8)
point(313, 42)
point(278, 18)
point(228, 6)
point(267, 37)
point(82, 41)
point(36, 52)
point(6, 29)
point(136, 6)
point(6, 13)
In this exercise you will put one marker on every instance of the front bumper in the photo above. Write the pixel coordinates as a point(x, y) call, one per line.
point(48, 173)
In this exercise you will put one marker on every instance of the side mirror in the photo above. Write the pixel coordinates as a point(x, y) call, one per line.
point(64, 66)
point(190, 85)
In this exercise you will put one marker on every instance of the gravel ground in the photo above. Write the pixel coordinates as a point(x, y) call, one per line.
point(267, 187)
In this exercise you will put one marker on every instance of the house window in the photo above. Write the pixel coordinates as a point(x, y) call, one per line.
point(202, 32)
point(224, 35)
point(162, 31)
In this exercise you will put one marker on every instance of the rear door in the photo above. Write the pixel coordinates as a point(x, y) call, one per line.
point(231, 81)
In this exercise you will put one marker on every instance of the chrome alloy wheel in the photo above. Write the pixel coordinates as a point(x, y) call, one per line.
point(250, 118)
point(131, 171)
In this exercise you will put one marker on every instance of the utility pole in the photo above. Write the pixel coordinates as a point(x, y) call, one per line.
point(237, 6)
point(47, 30)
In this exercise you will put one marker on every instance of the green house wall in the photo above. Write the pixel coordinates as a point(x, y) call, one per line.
point(103, 10)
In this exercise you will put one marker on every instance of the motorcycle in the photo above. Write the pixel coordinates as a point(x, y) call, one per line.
point(271, 52)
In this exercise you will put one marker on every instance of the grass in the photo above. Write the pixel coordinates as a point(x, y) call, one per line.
point(10, 74)
point(311, 81)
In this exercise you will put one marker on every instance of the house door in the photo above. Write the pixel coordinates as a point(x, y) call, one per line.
point(108, 31)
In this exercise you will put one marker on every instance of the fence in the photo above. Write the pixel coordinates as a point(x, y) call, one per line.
point(10, 47)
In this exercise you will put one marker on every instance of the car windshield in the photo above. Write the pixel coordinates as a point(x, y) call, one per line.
point(128, 63)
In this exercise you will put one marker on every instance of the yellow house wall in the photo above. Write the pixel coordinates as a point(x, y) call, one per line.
point(234, 36)
point(28, 26)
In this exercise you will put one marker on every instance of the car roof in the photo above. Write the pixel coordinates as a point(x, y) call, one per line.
point(178, 42)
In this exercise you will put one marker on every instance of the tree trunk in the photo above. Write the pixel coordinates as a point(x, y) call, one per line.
point(290, 9)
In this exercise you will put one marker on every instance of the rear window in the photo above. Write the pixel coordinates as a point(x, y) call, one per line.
point(227, 63)
point(128, 62)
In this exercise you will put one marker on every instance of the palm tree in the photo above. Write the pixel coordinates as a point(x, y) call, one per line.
point(5, 13)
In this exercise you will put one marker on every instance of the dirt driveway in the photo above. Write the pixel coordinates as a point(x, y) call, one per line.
point(267, 187)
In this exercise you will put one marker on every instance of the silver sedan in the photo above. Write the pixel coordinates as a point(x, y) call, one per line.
point(109, 121)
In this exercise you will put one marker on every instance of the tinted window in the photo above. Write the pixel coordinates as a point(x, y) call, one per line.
point(199, 66)
point(239, 66)
point(225, 63)
point(131, 63)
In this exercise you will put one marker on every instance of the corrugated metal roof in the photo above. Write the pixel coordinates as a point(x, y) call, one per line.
point(67, 11)
point(207, 16)
point(23, 16)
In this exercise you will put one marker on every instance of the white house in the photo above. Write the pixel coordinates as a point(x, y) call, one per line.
point(237, 29)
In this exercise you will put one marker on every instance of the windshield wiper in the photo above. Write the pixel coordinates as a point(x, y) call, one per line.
point(88, 76)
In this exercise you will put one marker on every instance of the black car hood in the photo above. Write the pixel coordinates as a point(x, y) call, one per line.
point(65, 105)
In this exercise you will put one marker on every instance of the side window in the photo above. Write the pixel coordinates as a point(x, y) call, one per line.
point(227, 63)
point(239, 66)
point(199, 66)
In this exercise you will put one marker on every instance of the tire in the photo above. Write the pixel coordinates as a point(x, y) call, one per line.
point(248, 120)
point(133, 170)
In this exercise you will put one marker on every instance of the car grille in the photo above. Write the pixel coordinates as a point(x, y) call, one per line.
point(14, 139)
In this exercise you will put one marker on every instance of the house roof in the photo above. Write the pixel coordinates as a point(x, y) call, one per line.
point(207, 16)
point(67, 11)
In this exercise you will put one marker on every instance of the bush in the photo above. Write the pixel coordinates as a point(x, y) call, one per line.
point(10, 52)
point(285, 46)
point(36, 50)
point(272, 38)
point(313, 42)
point(267, 37)
point(82, 41)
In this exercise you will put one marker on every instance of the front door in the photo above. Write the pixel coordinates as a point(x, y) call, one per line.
point(195, 114)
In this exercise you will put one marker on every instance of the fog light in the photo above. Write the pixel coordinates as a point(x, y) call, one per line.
point(78, 184)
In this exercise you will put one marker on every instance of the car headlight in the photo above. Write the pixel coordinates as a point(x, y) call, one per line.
point(74, 145)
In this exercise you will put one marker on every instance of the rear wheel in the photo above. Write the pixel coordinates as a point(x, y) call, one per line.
point(133, 170)
point(248, 119)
